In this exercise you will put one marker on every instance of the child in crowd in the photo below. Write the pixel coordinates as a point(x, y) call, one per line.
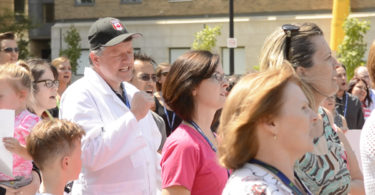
point(55, 146)
point(15, 87)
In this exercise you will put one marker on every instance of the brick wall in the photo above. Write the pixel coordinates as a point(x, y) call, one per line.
point(67, 9)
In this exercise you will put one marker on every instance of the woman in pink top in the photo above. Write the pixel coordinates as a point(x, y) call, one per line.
point(194, 88)
point(15, 87)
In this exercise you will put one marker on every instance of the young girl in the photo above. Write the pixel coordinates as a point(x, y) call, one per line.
point(15, 87)
point(45, 85)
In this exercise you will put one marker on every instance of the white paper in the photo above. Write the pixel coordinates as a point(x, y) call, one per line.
point(6, 130)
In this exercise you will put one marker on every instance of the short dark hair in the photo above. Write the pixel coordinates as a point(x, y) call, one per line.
point(186, 73)
point(38, 67)
point(7, 35)
point(144, 58)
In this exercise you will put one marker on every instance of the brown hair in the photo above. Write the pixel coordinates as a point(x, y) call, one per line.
point(371, 62)
point(301, 48)
point(158, 72)
point(186, 73)
point(38, 67)
point(18, 74)
point(51, 139)
point(354, 82)
point(256, 97)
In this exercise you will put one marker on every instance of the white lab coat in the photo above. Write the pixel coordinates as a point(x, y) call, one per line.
point(119, 153)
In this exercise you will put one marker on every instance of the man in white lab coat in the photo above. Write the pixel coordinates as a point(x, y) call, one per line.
point(119, 151)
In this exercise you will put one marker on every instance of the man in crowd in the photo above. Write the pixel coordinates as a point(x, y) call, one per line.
point(8, 48)
point(144, 78)
point(119, 150)
point(347, 105)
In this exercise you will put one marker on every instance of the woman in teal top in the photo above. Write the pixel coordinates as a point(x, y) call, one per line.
point(325, 170)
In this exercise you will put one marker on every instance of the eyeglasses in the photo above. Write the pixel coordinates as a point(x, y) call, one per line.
point(288, 29)
point(49, 83)
point(219, 77)
point(164, 73)
point(10, 50)
point(148, 77)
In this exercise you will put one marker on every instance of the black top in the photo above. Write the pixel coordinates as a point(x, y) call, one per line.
point(350, 107)
point(170, 124)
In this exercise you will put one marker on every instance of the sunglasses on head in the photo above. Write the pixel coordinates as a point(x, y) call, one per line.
point(289, 30)
point(10, 50)
point(147, 77)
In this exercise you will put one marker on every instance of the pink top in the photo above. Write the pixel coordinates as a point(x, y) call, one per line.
point(23, 124)
point(188, 160)
point(366, 111)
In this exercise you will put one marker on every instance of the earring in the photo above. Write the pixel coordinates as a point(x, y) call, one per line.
point(275, 137)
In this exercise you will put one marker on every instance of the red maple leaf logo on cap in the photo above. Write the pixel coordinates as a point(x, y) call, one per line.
point(117, 25)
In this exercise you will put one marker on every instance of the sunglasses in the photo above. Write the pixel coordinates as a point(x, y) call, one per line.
point(10, 50)
point(147, 77)
point(164, 73)
point(288, 29)
point(219, 77)
point(49, 83)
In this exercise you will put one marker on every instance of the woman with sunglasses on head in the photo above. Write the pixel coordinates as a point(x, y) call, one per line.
point(45, 85)
point(172, 121)
point(325, 170)
point(195, 88)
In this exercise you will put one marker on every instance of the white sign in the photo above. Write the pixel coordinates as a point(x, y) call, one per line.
point(6, 130)
point(232, 43)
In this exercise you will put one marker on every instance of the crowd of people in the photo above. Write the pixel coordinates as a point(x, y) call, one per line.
point(132, 126)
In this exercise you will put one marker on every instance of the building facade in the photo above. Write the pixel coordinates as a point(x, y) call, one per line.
point(168, 26)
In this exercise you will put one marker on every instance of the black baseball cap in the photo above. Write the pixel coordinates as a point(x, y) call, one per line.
point(108, 32)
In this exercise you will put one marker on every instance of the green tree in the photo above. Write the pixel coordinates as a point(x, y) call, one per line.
point(73, 52)
point(19, 24)
point(352, 50)
point(206, 38)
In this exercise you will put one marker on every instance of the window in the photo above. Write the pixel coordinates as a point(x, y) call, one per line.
point(48, 13)
point(174, 53)
point(85, 2)
point(131, 1)
point(239, 60)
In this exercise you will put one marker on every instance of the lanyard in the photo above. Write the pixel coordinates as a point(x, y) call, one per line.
point(281, 176)
point(173, 117)
point(203, 135)
point(346, 103)
point(207, 140)
point(126, 100)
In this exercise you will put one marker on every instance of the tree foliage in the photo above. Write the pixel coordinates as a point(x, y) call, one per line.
point(352, 50)
point(19, 24)
point(73, 51)
point(206, 38)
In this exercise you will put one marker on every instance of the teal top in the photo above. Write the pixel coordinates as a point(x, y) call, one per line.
point(325, 171)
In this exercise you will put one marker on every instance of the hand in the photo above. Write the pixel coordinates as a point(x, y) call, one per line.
point(141, 104)
point(13, 145)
